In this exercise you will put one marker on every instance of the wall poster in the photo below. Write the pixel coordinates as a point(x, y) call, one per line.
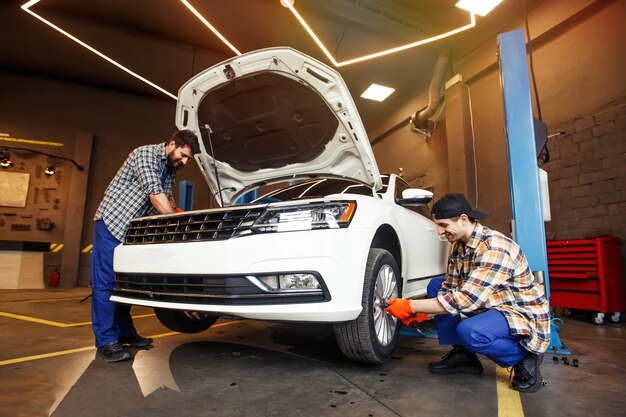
point(13, 189)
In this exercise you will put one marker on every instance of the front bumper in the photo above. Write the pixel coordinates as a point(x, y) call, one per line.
point(337, 256)
point(214, 289)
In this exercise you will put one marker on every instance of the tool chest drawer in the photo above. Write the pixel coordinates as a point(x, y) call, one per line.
point(587, 274)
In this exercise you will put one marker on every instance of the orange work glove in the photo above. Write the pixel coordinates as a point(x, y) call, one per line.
point(415, 319)
point(400, 308)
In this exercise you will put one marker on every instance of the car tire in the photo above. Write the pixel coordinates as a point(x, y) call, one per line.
point(185, 321)
point(372, 336)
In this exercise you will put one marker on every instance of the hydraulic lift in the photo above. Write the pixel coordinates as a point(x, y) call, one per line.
point(523, 147)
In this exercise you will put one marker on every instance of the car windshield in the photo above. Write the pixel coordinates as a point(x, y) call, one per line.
point(315, 188)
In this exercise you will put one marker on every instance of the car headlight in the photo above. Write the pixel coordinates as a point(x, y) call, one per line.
point(330, 215)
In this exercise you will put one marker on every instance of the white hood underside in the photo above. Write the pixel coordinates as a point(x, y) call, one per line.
point(274, 113)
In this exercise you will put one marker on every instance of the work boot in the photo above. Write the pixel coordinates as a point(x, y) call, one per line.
point(136, 341)
point(527, 374)
point(458, 361)
point(112, 352)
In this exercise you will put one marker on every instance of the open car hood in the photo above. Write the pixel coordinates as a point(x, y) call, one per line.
point(272, 113)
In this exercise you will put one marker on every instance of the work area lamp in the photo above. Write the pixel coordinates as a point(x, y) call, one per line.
point(5, 159)
point(50, 170)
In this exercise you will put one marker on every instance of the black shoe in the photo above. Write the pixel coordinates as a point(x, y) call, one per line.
point(458, 361)
point(112, 352)
point(136, 341)
point(527, 374)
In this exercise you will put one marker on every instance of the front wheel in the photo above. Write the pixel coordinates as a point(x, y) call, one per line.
point(372, 336)
point(185, 321)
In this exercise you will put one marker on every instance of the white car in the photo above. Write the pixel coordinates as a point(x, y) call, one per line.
point(322, 237)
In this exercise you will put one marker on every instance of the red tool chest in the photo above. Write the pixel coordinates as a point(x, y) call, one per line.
point(587, 274)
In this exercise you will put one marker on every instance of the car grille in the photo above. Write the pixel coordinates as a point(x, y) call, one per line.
point(193, 227)
point(207, 289)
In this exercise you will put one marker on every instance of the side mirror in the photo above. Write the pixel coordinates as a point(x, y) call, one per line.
point(415, 197)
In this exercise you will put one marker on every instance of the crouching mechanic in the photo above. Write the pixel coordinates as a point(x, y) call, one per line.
point(488, 280)
point(142, 186)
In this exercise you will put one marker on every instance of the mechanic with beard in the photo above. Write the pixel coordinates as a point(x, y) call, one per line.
point(142, 186)
point(489, 281)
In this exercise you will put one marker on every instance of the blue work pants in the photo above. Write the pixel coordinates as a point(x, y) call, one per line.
point(110, 320)
point(487, 333)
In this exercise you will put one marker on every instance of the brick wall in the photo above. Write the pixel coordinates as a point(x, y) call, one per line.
point(587, 176)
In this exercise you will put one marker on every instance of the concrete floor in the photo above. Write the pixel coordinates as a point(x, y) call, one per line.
point(254, 368)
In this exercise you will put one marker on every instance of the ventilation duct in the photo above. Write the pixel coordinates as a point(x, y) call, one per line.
point(419, 122)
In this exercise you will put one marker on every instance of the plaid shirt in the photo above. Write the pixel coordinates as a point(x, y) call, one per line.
point(143, 173)
point(491, 272)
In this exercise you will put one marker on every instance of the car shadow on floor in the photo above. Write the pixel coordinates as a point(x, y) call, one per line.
point(225, 379)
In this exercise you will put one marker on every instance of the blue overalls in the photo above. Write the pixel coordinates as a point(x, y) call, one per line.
point(110, 320)
point(485, 333)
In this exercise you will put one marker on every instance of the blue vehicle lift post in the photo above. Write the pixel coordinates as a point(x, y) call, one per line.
point(528, 223)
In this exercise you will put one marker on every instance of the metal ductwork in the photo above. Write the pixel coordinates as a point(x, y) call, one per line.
point(420, 122)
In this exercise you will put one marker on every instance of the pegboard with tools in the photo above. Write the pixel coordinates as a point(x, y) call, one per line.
point(33, 195)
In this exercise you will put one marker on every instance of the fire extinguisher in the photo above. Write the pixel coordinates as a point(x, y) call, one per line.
point(54, 278)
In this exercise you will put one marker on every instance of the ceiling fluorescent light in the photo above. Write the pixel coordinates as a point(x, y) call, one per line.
point(316, 39)
point(377, 92)
point(27, 8)
point(479, 7)
point(210, 26)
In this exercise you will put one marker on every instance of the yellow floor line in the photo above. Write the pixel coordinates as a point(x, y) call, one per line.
point(46, 300)
point(509, 402)
point(45, 355)
point(56, 323)
point(83, 349)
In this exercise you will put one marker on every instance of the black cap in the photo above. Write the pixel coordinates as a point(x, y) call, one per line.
point(453, 205)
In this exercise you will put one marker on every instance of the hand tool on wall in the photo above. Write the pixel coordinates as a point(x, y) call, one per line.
point(45, 224)
point(46, 193)
point(20, 227)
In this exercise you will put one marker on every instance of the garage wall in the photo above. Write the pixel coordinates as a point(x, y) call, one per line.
point(579, 61)
point(398, 153)
point(587, 175)
point(43, 109)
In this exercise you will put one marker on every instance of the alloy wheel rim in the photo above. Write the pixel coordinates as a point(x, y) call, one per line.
point(385, 288)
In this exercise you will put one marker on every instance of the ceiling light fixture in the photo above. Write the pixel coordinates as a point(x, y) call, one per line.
point(289, 4)
point(27, 8)
point(210, 26)
point(377, 92)
point(479, 7)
